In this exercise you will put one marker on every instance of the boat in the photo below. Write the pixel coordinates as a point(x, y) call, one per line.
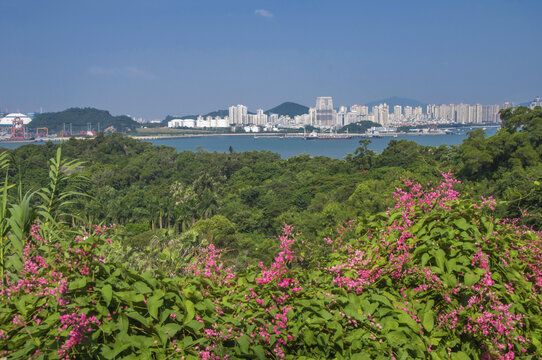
point(314, 136)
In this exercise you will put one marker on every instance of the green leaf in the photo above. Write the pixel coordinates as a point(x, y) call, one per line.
point(142, 288)
point(440, 257)
point(309, 337)
point(109, 353)
point(428, 320)
point(171, 329)
point(190, 311)
point(107, 293)
point(471, 279)
point(396, 338)
point(77, 284)
point(407, 320)
point(244, 342)
point(259, 352)
point(194, 325)
point(137, 316)
point(153, 303)
point(461, 224)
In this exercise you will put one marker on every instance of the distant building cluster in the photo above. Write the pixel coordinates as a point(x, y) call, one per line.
point(465, 114)
point(200, 122)
point(325, 115)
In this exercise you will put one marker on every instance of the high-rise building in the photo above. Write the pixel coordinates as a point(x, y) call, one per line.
point(375, 114)
point(462, 113)
point(238, 115)
point(260, 118)
point(384, 114)
point(493, 113)
point(324, 111)
point(408, 112)
point(273, 118)
point(312, 116)
point(397, 111)
point(341, 118)
point(479, 114)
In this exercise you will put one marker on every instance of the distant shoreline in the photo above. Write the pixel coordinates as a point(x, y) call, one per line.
point(256, 134)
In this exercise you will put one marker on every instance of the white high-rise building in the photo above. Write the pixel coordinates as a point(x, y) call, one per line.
point(375, 114)
point(381, 114)
point(462, 113)
point(273, 118)
point(360, 109)
point(238, 115)
point(260, 118)
point(397, 112)
point(479, 113)
point(325, 115)
point(408, 112)
point(312, 116)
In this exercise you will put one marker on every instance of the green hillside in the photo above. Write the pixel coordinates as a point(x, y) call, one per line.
point(359, 127)
point(79, 118)
point(288, 108)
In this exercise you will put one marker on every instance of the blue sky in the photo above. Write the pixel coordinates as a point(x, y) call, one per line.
point(151, 58)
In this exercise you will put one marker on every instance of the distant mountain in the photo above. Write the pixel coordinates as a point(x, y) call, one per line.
point(393, 101)
point(79, 118)
point(289, 108)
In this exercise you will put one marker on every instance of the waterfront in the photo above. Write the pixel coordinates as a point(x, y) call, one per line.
point(286, 147)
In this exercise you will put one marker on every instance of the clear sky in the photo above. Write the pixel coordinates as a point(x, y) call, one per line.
point(150, 58)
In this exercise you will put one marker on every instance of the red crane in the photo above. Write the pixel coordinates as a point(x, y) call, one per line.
point(42, 134)
point(17, 129)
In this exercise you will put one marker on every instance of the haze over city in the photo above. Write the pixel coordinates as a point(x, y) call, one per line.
point(151, 59)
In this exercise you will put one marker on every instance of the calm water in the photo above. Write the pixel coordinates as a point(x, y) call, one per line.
point(292, 146)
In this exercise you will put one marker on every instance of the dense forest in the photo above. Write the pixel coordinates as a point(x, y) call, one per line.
point(80, 118)
point(416, 252)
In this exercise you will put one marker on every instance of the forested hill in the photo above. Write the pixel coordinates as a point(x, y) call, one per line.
point(135, 182)
point(289, 108)
point(359, 127)
point(80, 118)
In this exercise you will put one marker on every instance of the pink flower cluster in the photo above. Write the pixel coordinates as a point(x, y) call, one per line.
point(48, 267)
point(209, 265)
point(80, 325)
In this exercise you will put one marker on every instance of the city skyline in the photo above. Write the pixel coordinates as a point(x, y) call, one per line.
point(246, 112)
point(151, 59)
point(325, 116)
